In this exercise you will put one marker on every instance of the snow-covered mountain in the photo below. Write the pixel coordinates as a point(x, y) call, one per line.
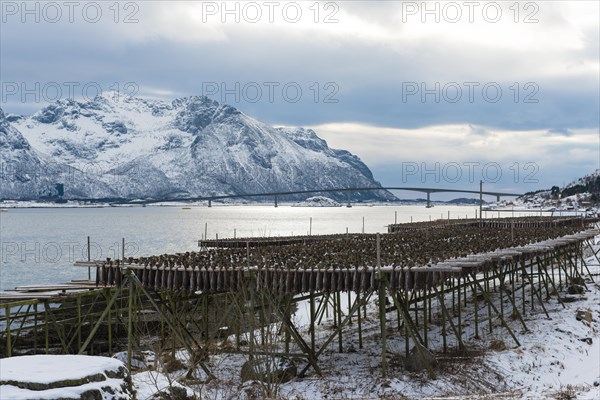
point(580, 193)
point(588, 184)
point(133, 148)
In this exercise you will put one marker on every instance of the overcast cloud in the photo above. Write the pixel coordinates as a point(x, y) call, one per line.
point(517, 86)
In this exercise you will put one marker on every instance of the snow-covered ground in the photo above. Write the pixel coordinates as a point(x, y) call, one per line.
point(580, 204)
point(558, 358)
point(62, 377)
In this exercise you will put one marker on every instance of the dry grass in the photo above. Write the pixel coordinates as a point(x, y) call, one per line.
point(565, 393)
point(170, 363)
point(498, 345)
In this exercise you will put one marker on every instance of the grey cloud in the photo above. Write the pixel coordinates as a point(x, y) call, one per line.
point(560, 131)
point(370, 76)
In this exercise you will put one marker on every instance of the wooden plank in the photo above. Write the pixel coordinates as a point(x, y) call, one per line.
point(46, 288)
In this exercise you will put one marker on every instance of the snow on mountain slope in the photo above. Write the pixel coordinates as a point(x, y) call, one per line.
point(585, 180)
point(580, 193)
point(23, 172)
point(138, 148)
point(587, 186)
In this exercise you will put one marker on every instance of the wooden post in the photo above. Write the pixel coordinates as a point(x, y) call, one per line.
point(524, 273)
point(452, 289)
point(312, 321)
point(543, 267)
point(237, 302)
point(360, 341)
point(541, 281)
point(428, 294)
point(443, 307)
point(532, 284)
point(382, 298)
point(407, 333)
point(459, 313)
point(339, 319)
point(262, 321)
point(172, 304)
point(480, 202)
point(109, 306)
point(252, 288)
point(8, 335)
point(382, 324)
point(35, 323)
point(425, 329)
point(89, 258)
point(559, 278)
point(489, 307)
point(288, 316)
point(130, 321)
point(476, 311)
point(399, 319)
point(465, 292)
point(78, 302)
point(162, 320)
point(416, 307)
point(46, 330)
point(247, 254)
point(378, 251)
point(501, 284)
point(349, 306)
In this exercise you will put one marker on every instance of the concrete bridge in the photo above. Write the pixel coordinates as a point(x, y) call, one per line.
point(275, 195)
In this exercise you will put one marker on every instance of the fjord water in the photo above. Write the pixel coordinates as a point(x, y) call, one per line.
point(40, 245)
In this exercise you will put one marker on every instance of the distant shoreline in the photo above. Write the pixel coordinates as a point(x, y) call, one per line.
point(14, 204)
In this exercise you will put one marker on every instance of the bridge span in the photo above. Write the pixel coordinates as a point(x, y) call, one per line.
point(348, 191)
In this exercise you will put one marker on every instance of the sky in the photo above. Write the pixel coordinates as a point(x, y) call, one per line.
point(426, 93)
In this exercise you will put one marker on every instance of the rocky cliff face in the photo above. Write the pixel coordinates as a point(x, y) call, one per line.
point(135, 148)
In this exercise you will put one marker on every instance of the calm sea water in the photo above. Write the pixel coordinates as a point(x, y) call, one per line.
point(39, 246)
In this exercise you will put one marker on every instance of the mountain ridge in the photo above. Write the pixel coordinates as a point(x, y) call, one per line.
point(134, 148)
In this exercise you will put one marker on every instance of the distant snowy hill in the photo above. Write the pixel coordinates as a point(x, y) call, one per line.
point(317, 201)
point(580, 193)
point(588, 184)
point(133, 148)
